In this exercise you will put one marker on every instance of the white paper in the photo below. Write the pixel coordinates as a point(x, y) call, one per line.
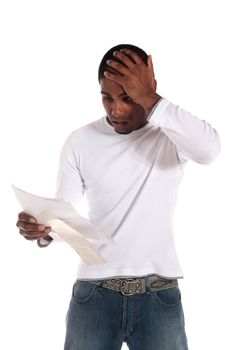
point(60, 215)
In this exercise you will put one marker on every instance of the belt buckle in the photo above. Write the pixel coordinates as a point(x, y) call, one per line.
point(131, 286)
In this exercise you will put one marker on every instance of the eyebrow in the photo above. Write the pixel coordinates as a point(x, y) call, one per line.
point(121, 95)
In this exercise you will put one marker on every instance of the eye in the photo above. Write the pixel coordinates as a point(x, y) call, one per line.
point(127, 99)
point(107, 98)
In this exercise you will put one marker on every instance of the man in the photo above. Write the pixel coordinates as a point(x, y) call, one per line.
point(130, 164)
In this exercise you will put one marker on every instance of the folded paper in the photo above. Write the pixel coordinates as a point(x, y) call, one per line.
point(60, 215)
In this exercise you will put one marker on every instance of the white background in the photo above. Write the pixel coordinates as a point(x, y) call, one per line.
point(50, 52)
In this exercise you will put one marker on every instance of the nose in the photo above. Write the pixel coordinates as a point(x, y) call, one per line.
point(117, 110)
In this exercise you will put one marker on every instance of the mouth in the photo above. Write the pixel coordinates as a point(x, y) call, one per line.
point(119, 124)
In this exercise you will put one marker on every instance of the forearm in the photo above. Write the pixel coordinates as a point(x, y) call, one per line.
point(194, 138)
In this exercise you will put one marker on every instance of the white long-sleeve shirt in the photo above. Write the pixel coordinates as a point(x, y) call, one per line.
point(131, 182)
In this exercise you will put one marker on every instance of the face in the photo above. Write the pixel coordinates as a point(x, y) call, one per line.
point(123, 113)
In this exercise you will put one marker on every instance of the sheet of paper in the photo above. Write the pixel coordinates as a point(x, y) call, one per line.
point(74, 238)
point(76, 230)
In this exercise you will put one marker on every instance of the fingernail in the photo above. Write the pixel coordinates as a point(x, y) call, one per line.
point(114, 53)
point(32, 220)
point(41, 227)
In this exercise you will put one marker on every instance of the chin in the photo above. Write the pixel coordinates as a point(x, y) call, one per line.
point(123, 131)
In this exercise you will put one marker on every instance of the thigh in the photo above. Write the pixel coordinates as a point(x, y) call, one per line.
point(160, 323)
point(93, 318)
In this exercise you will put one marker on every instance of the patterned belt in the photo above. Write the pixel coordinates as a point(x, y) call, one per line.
point(138, 285)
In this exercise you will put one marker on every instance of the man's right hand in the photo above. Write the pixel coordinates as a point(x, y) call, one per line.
point(30, 229)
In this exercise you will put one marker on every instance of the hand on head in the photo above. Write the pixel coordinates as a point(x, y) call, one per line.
point(136, 78)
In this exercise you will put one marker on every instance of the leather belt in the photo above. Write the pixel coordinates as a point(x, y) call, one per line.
point(137, 285)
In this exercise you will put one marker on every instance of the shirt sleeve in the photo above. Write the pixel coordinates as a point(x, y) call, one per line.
point(70, 184)
point(195, 139)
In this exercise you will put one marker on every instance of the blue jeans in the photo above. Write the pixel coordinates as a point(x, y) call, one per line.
point(102, 319)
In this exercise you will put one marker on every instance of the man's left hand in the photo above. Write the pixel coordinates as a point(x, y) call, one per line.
point(137, 79)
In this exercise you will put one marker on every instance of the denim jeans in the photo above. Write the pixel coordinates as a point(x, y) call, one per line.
point(102, 319)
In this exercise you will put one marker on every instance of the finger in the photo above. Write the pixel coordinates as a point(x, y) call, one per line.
point(26, 217)
point(23, 225)
point(132, 55)
point(117, 67)
point(151, 70)
point(150, 66)
point(32, 235)
point(116, 78)
point(124, 59)
point(47, 230)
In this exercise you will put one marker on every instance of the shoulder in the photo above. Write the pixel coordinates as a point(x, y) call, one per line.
point(88, 129)
point(83, 135)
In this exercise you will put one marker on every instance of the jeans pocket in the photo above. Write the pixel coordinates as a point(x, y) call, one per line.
point(170, 297)
point(83, 291)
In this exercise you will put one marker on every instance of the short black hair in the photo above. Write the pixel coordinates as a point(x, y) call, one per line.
point(109, 55)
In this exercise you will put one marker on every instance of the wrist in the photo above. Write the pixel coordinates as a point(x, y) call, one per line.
point(150, 102)
point(44, 241)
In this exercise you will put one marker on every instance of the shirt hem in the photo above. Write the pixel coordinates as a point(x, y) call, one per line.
point(127, 274)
